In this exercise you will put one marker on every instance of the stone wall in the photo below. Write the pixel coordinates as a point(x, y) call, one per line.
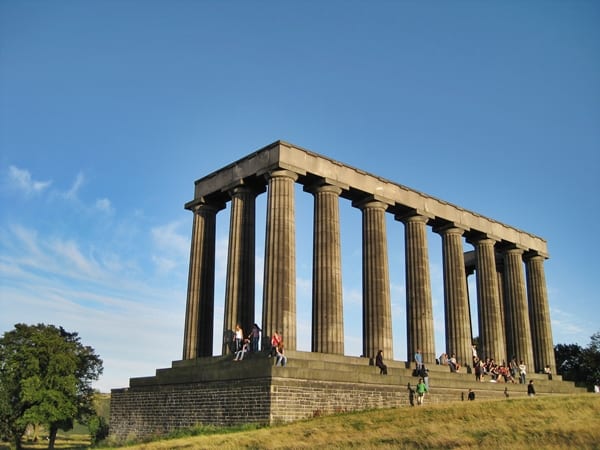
point(156, 410)
point(217, 391)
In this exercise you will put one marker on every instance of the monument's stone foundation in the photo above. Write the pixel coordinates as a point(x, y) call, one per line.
point(218, 391)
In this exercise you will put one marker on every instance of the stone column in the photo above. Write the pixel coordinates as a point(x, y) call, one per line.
point(327, 304)
point(491, 328)
point(539, 313)
point(199, 314)
point(377, 308)
point(279, 290)
point(459, 337)
point(239, 287)
point(518, 331)
point(419, 308)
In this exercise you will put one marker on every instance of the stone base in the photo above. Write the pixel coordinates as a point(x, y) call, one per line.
point(219, 391)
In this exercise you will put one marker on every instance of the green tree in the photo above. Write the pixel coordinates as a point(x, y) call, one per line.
point(578, 364)
point(45, 378)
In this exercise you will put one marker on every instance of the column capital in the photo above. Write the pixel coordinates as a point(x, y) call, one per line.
point(243, 187)
point(207, 206)
point(513, 250)
point(322, 186)
point(281, 173)
point(371, 201)
point(533, 255)
point(482, 238)
point(415, 216)
point(450, 228)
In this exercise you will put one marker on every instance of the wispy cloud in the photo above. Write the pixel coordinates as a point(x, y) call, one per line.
point(72, 192)
point(171, 246)
point(104, 205)
point(21, 179)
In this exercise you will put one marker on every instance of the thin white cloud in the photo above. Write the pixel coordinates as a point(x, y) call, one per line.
point(72, 193)
point(171, 247)
point(69, 253)
point(45, 256)
point(164, 265)
point(167, 238)
point(21, 180)
point(104, 205)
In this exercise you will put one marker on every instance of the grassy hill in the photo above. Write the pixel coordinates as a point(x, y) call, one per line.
point(550, 422)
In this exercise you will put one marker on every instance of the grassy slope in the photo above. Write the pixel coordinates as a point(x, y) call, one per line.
point(542, 422)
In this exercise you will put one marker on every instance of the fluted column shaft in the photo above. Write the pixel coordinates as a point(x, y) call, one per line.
point(491, 328)
point(459, 337)
point(279, 288)
point(199, 314)
point(518, 331)
point(239, 287)
point(539, 313)
point(419, 308)
point(377, 309)
point(327, 304)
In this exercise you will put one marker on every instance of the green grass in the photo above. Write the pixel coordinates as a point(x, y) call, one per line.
point(551, 422)
point(544, 422)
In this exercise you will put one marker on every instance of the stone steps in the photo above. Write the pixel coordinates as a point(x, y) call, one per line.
point(338, 369)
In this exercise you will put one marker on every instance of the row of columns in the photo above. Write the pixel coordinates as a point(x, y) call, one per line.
point(513, 312)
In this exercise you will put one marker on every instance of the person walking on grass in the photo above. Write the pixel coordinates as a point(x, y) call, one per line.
point(530, 389)
point(421, 390)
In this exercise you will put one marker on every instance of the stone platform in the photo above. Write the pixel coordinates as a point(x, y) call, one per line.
point(219, 391)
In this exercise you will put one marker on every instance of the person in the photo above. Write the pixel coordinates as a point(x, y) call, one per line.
point(379, 363)
point(255, 337)
point(411, 394)
point(530, 389)
point(238, 337)
point(478, 366)
point(471, 395)
point(453, 363)
point(506, 394)
point(275, 340)
point(513, 366)
point(443, 359)
point(239, 355)
point(425, 375)
point(548, 371)
point(421, 389)
point(418, 360)
point(281, 358)
point(474, 352)
point(522, 372)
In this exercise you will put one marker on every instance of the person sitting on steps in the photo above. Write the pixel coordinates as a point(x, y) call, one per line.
point(379, 363)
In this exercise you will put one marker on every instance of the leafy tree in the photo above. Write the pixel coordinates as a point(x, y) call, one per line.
point(45, 378)
point(98, 427)
point(581, 365)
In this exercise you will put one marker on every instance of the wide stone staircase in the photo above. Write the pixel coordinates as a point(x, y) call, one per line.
point(444, 385)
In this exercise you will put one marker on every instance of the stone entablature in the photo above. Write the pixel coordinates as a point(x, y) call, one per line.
point(356, 184)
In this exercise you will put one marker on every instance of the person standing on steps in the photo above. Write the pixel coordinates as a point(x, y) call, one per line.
point(255, 337)
point(418, 360)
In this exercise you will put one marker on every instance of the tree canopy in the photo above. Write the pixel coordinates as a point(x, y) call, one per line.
point(578, 364)
point(45, 378)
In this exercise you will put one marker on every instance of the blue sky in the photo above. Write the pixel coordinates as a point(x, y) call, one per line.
point(109, 111)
